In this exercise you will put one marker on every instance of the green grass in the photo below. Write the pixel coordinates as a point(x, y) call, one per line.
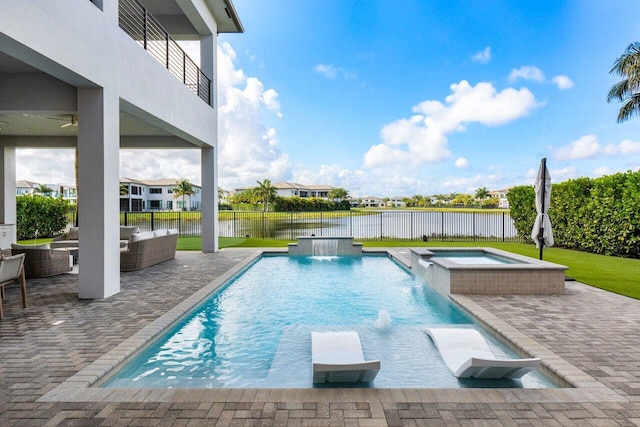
point(619, 275)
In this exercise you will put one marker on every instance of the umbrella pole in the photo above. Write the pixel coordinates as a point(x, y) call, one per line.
point(541, 232)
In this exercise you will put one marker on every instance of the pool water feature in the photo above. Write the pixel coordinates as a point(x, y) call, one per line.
point(255, 331)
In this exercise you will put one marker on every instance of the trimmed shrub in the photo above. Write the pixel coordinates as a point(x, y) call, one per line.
point(310, 204)
point(599, 215)
point(45, 214)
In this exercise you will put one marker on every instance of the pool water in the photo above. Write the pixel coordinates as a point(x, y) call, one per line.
point(473, 257)
point(255, 331)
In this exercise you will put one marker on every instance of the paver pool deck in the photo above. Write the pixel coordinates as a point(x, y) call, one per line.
point(588, 336)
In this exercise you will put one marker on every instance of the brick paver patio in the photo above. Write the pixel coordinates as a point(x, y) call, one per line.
point(589, 336)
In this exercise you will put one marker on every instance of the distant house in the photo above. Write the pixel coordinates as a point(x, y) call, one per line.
point(372, 202)
point(501, 195)
point(66, 191)
point(396, 202)
point(156, 194)
point(289, 189)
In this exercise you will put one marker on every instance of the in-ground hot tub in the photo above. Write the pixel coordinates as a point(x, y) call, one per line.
point(485, 271)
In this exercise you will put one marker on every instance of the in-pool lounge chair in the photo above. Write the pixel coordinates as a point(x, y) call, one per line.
point(337, 358)
point(467, 354)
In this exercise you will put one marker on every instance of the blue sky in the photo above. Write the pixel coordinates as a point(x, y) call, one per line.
point(396, 98)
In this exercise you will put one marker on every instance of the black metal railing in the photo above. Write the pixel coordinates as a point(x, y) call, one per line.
point(145, 29)
point(443, 226)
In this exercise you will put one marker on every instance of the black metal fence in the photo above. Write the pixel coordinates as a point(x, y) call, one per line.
point(367, 225)
point(141, 26)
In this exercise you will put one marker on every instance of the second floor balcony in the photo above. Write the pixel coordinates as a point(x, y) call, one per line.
point(136, 21)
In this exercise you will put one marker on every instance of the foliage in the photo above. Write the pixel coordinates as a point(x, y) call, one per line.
point(124, 190)
point(308, 204)
point(46, 215)
point(183, 188)
point(338, 194)
point(482, 193)
point(627, 90)
point(523, 209)
point(599, 215)
point(43, 189)
point(266, 193)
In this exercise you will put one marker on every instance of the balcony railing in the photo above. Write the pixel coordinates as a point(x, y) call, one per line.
point(136, 21)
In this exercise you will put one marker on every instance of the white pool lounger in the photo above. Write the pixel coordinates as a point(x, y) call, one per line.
point(337, 358)
point(467, 354)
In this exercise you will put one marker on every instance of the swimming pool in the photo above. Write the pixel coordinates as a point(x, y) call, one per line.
point(255, 331)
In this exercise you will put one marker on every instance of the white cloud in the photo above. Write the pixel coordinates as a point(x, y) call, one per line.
point(483, 57)
point(628, 147)
point(601, 171)
point(588, 146)
point(422, 138)
point(527, 72)
point(35, 165)
point(563, 174)
point(328, 71)
point(462, 163)
point(331, 72)
point(563, 82)
point(249, 150)
point(582, 148)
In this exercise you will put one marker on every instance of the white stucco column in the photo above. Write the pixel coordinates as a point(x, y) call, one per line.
point(209, 176)
point(8, 188)
point(98, 195)
point(208, 51)
point(209, 156)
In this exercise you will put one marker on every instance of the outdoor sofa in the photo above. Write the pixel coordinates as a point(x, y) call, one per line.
point(70, 238)
point(41, 260)
point(148, 248)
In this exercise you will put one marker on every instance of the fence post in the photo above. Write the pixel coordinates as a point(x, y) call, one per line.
point(380, 226)
point(152, 224)
point(179, 223)
point(321, 223)
point(126, 218)
point(291, 224)
point(351, 223)
point(411, 225)
point(473, 225)
point(503, 226)
point(442, 226)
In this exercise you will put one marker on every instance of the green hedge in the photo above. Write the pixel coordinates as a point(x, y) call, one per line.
point(310, 204)
point(599, 215)
point(45, 214)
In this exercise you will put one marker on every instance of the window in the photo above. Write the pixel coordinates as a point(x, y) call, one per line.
point(155, 204)
point(155, 191)
point(135, 189)
point(169, 204)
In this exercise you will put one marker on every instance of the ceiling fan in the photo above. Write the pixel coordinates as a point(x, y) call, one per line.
point(72, 120)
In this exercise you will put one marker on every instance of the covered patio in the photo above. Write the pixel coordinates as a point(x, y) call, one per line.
point(58, 335)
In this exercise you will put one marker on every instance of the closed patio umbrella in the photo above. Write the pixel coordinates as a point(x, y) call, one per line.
point(541, 232)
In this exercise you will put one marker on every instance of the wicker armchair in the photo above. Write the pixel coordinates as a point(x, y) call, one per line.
point(41, 261)
point(11, 270)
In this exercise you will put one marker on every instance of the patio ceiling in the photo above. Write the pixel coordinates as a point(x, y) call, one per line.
point(57, 123)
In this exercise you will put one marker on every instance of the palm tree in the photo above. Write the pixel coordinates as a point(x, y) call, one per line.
point(183, 188)
point(627, 91)
point(482, 193)
point(124, 190)
point(265, 192)
point(338, 194)
point(43, 189)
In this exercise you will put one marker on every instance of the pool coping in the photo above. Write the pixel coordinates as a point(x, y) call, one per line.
point(81, 387)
